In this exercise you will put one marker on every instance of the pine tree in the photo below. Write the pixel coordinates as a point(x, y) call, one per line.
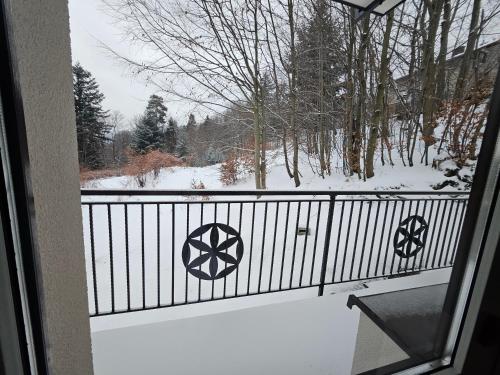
point(171, 136)
point(91, 125)
point(206, 146)
point(181, 149)
point(191, 135)
point(148, 133)
point(191, 124)
point(213, 156)
point(320, 67)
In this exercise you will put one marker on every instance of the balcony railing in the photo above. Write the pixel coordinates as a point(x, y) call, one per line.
point(153, 249)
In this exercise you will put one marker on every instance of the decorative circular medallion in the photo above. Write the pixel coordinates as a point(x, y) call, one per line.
point(410, 236)
point(212, 252)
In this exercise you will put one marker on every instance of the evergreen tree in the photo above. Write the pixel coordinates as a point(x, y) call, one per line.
point(210, 137)
point(148, 133)
point(319, 48)
point(191, 135)
point(91, 124)
point(181, 149)
point(191, 124)
point(171, 136)
point(213, 156)
point(320, 66)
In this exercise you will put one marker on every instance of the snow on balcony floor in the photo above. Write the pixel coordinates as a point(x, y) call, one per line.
point(308, 336)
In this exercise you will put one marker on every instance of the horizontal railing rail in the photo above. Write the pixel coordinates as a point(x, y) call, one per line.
point(270, 192)
point(150, 249)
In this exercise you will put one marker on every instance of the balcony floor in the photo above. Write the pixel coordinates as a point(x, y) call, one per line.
point(306, 336)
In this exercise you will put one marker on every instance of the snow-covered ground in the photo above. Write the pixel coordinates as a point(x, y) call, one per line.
point(418, 177)
point(301, 335)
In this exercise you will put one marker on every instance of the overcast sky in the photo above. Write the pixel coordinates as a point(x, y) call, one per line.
point(90, 27)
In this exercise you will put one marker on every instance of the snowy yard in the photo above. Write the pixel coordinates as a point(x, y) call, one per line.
point(148, 233)
point(418, 177)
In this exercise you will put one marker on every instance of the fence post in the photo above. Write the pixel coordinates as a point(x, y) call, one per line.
point(327, 245)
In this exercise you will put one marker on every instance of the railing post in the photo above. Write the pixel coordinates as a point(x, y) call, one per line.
point(327, 244)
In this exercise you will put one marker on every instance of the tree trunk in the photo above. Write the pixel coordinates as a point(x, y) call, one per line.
point(263, 161)
point(293, 95)
point(349, 113)
point(443, 48)
point(257, 148)
point(260, 162)
point(385, 132)
point(296, 178)
point(469, 51)
point(379, 102)
point(429, 78)
point(285, 152)
point(360, 105)
point(414, 101)
point(321, 89)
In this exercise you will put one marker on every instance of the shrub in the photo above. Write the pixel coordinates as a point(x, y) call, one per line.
point(464, 124)
point(229, 170)
point(140, 165)
point(197, 185)
point(247, 163)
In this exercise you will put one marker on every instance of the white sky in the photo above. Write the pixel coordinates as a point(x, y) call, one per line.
point(90, 27)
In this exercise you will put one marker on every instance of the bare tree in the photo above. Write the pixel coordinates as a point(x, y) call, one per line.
point(469, 50)
point(434, 8)
point(282, 31)
point(379, 102)
point(351, 155)
point(443, 49)
point(115, 121)
point(360, 108)
point(215, 46)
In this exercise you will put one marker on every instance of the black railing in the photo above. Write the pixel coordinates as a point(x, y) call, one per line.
point(153, 249)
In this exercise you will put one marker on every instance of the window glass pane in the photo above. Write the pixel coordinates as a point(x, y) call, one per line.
point(361, 133)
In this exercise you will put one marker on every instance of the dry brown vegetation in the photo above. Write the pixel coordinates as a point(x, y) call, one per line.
point(235, 166)
point(139, 166)
point(465, 120)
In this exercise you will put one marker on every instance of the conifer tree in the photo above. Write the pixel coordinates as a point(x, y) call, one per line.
point(91, 124)
point(320, 66)
point(148, 133)
point(191, 124)
point(171, 136)
point(181, 148)
point(191, 135)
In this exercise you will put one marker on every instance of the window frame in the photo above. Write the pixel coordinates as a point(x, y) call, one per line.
point(478, 246)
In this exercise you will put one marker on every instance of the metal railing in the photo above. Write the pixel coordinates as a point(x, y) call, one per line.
point(153, 249)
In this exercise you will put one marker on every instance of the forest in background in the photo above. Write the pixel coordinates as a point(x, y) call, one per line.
point(302, 77)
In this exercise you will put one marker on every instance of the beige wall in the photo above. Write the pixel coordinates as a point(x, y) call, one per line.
point(40, 31)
